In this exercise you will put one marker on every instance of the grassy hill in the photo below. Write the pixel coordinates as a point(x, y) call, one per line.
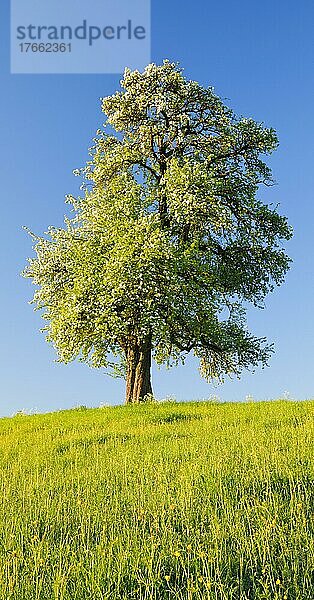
point(166, 501)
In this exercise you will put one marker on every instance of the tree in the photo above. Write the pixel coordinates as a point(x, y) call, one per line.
point(168, 244)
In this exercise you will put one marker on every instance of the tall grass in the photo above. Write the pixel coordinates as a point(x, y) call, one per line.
point(168, 501)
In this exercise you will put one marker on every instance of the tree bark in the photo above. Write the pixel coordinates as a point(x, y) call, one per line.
point(138, 375)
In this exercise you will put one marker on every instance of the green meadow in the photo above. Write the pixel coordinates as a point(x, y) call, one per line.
point(161, 501)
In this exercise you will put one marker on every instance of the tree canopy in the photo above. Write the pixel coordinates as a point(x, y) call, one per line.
point(168, 243)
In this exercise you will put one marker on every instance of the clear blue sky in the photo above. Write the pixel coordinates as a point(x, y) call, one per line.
point(259, 57)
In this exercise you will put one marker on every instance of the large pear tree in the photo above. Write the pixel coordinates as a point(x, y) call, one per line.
point(168, 244)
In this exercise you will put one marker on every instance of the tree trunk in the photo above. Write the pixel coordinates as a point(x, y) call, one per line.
point(138, 375)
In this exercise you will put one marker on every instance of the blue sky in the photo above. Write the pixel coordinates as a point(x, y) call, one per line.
point(259, 57)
